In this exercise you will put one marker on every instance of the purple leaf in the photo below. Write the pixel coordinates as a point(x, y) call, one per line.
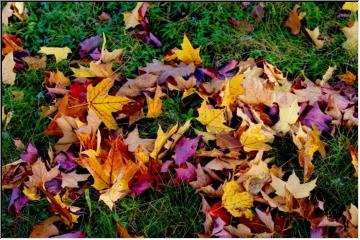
point(71, 235)
point(65, 161)
point(316, 232)
point(185, 149)
point(317, 117)
point(88, 45)
point(228, 67)
point(31, 154)
point(187, 174)
point(96, 54)
point(53, 186)
point(17, 202)
point(141, 187)
point(218, 229)
point(165, 166)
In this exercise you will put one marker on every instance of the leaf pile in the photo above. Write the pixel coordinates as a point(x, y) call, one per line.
point(241, 109)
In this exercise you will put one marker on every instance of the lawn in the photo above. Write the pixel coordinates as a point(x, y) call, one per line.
point(175, 210)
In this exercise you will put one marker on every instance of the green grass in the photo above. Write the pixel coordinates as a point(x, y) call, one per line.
point(60, 24)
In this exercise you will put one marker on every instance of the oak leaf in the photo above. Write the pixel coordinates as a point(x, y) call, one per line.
point(213, 119)
point(59, 53)
point(103, 104)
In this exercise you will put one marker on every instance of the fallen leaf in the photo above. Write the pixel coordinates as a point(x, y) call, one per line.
point(133, 141)
point(314, 35)
point(103, 104)
point(155, 104)
point(161, 139)
point(237, 202)
point(11, 43)
point(166, 71)
point(352, 6)
point(188, 54)
point(348, 77)
point(67, 126)
point(255, 138)
point(132, 19)
point(266, 218)
point(8, 74)
point(104, 17)
point(293, 21)
point(134, 87)
point(351, 34)
point(293, 185)
point(59, 53)
point(185, 149)
point(108, 57)
point(35, 63)
point(6, 117)
point(213, 119)
point(71, 179)
point(94, 70)
point(40, 175)
point(46, 228)
point(354, 157)
point(288, 115)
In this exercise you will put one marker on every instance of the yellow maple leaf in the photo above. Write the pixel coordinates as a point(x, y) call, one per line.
point(132, 19)
point(94, 70)
point(351, 34)
point(255, 139)
point(7, 68)
point(233, 88)
point(288, 115)
point(103, 104)
point(213, 119)
point(293, 185)
point(236, 202)
point(188, 54)
point(161, 139)
point(59, 53)
point(314, 143)
point(154, 105)
point(352, 6)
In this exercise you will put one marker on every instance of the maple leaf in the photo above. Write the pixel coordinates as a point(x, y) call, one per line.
point(67, 126)
point(7, 69)
point(133, 87)
point(351, 34)
point(134, 141)
point(59, 53)
point(314, 35)
point(293, 22)
point(354, 157)
point(237, 202)
point(94, 70)
point(348, 77)
point(154, 105)
point(166, 71)
point(106, 56)
point(46, 228)
point(103, 104)
point(185, 149)
point(40, 175)
point(352, 6)
point(213, 119)
point(288, 115)
point(233, 88)
point(188, 54)
point(71, 179)
point(161, 139)
point(266, 218)
point(255, 138)
point(132, 19)
point(293, 185)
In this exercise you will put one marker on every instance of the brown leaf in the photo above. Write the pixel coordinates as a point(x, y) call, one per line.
point(46, 228)
point(14, 174)
point(293, 22)
point(72, 179)
point(166, 71)
point(133, 87)
point(228, 141)
point(35, 62)
point(104, 17)
point(202, 179)
point(11, 44)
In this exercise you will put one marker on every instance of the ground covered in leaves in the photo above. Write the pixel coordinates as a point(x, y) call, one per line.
point(179, 119)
